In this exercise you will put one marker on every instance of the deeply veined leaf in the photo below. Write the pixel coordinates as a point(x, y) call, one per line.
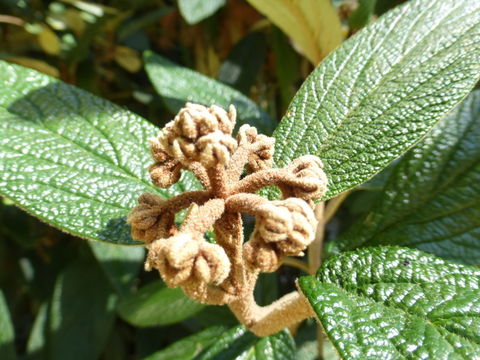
point(7, 336)
point(190, 346)
point(383, 89)
point(82, 312)
point(178, 85)
point(313, 25)
point(194, 11)
point(397, 303)
point(73, 160)
point(239, 343)
point(431, 200)
point(154, 304)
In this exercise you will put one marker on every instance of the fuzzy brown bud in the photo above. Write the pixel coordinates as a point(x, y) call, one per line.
point(261, 255)
point(148, 220)
point(288, 225)
point(182, 258)
point(262, 156)
point(313, 181)
point(166, 171)
point(201, 134)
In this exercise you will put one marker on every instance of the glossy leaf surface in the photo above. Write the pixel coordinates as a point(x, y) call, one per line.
point(155, 304)
point(190, 346)
point(239, 343)
point(178, 85)
point(397, 303)
point(431, 200)
point(383, 89)
point(313, 25)
point(73, 160)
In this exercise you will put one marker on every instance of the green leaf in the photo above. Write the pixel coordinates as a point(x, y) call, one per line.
point(239, 343)
point(82, 312)
point(75, 161)
point(178, 85)
point(194, 11)
point(37, 340)
point(383, 89)
point(154, 304)
point(120, 263)
point(190, 346)
point(397, 303)
point(7, 336)
point(240, 69)
point(431, 200)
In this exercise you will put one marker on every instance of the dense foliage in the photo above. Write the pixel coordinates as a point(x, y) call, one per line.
point(382, 92)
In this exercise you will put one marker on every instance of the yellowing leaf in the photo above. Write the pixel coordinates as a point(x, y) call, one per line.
point(35, 64)
point(128, 59)
point(49, 41)
point(312, 24)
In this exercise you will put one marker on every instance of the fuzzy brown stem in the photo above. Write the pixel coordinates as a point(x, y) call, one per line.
point(202, 218)
point(201, 174)
point(182, 201)
point(271, 177)
point(218, 179)
point(267, 320)
point(244, 203)
point(237, 163)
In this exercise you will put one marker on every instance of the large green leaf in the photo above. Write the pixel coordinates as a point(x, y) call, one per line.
point(194, 11)
point(7, 336)
point(154, 304)
point(239, 343)
point(82, 312)
point(383, 89)
point(432, 198)
point(190, 346)
point(178, 85)
point(397, 303)
point(73, 160)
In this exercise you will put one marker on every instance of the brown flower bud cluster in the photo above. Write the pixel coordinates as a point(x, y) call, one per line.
point(200, 139)
point(283, 228)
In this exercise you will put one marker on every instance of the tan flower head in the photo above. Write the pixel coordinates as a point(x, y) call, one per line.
point(201, 134)
point(288, 224)
point(149, 220)
point(261, 157)
point(182, 258)
point(313, 182)
point(261, 255)
point(199, 140)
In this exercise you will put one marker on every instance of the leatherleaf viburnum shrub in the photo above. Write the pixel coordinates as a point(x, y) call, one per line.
point(349, 229)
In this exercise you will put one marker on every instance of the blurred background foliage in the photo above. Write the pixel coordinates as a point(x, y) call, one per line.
point(72, 299)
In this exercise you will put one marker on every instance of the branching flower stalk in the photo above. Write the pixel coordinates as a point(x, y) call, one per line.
point(200, 139)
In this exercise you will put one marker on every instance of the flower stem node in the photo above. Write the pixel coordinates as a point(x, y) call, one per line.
point(199, 139)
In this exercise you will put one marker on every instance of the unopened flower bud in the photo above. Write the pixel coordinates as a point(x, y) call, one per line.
point(312, 180)
point(261, 255)
point(200, 134)
point(148, 220)
point(288, 225)
point(262, 157)
point(182, 258)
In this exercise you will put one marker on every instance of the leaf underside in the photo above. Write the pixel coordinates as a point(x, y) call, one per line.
point(397, 303)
